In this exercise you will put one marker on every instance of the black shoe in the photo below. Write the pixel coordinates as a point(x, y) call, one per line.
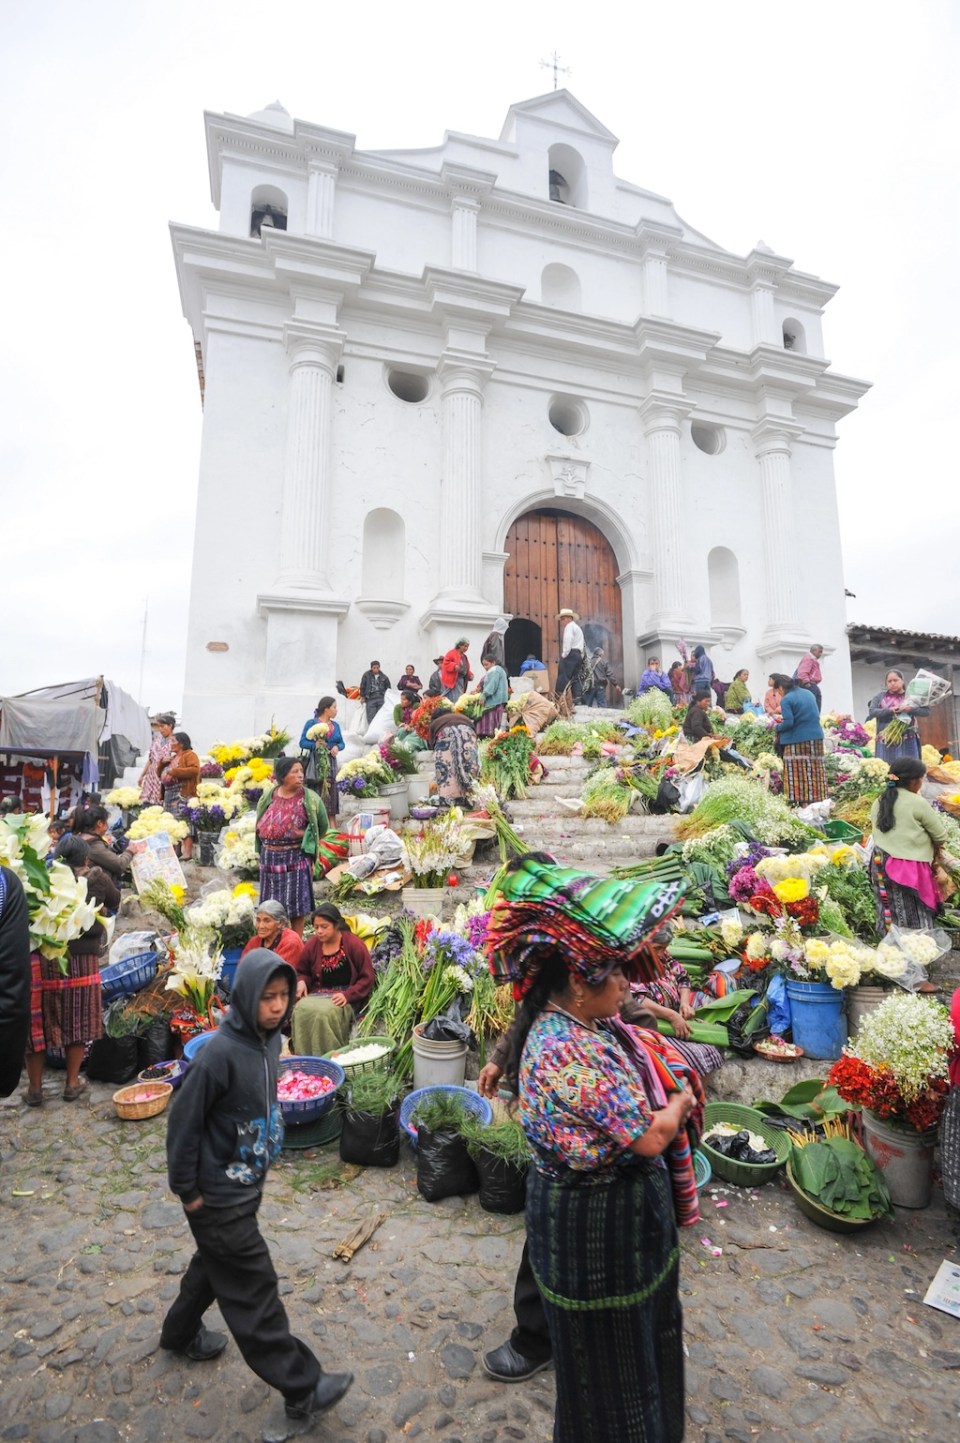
point(329, 1390)
point(508, 1366)
point(205, 1345)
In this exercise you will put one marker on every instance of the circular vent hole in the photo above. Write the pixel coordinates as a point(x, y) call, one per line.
point(708, 439)
point(408, 386)
point(567, 416)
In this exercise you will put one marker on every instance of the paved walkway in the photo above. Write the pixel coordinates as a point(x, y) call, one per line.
point(793, 1333)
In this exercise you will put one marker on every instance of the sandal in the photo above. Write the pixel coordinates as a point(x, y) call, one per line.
point(70, 1094)
point(33, 1097)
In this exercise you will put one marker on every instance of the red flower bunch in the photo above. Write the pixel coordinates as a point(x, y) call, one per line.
point(806, 911)
point(421, 718)
point(421, 931)
point(876, 1089)
point(766, 902)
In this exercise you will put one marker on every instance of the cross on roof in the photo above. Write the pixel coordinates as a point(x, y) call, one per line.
point(554, 64)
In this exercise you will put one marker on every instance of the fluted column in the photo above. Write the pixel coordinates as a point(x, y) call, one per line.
point(656, 299)
point(305, 505)
point(764, 320)
point(661, 425)
point(779, 538)
point(321, 192)
point(460, 481)
point(464, 241)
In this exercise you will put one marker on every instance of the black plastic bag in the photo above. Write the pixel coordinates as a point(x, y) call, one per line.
point(503, 1184)
point(446, 1029)
point(444, 1167)
point(747, 1025)
point(155, 1044)
point(113, 1059)
point(736, 1145)
point(667, 798)
point(370, 1139)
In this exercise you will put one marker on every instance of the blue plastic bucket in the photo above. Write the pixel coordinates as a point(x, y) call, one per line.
point(231, 956)
point(819, 1024)
point(191, 1048)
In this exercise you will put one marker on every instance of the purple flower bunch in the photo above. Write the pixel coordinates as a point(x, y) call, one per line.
point(852, 732)
point(211, 770)
point(449, 949)
point(746, 861)
point(351, 784)
point(477, 930)
point(743, 884)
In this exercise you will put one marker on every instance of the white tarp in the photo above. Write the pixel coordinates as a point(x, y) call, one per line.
point(67, 718)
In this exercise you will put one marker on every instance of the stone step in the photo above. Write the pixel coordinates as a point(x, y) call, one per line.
point(585, 714)
point(556, 826)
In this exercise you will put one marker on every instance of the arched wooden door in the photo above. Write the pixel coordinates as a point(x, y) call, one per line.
point(558, 559)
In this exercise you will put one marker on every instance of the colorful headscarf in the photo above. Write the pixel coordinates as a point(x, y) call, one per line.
point(598, 923)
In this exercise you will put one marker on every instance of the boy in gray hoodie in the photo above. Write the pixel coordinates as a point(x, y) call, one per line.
point(224, 1131)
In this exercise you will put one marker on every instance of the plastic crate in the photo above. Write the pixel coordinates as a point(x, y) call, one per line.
point(120, 979)
point(313, 1107)
point(472, 1101)
point(839, 831)
point(744, 1174)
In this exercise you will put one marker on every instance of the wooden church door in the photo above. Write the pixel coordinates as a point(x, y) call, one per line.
point(557, 559)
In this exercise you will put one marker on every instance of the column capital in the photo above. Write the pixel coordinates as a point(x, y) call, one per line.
point(658, 413)
point(458, 372)
point(775, 434)
point(308, 345)
point(466, 185)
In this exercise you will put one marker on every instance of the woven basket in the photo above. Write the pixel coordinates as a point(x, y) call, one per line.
point(822, 1216)
point(119, 979)
point(311, 1108)
point(744, 1174)
point(341, 1055)
point(130, 1111)
point(472, 1101)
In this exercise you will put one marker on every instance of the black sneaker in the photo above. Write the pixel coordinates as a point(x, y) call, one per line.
point(330, 1389)
point(508, 1366)
point(203, 1347)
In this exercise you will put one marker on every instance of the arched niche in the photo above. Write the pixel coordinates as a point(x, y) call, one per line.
point(560, 286)
point(723, 574)
point(268, 209)
point(567, 176)
point(384, 548)
point(794, 337)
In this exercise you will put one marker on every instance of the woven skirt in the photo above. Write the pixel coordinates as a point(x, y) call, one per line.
point(897, 906)
point(606, 1260)
point(286, 876)
point(69, 1009)
point(804, 775)
point(319, 1025)
point(490, 723)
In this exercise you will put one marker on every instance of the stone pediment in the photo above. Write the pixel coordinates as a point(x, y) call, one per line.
point(560, 109)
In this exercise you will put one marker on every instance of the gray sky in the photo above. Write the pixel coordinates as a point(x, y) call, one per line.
point(828, 129)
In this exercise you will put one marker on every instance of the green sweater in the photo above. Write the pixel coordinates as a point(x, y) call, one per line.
point(916, 829)
point(737, 693)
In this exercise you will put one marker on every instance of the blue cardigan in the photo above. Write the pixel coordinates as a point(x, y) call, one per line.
point(801, 718)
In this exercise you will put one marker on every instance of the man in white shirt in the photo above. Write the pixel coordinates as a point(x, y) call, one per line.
point(571, 654)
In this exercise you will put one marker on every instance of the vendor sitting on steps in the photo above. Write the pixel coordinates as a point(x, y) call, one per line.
point(334, 982)
point(698, 738)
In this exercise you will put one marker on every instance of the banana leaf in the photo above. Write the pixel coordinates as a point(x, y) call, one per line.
point(713, 1033)
point(723, 1007)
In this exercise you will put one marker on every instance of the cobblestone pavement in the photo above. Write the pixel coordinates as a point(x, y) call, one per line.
point(793, 1333)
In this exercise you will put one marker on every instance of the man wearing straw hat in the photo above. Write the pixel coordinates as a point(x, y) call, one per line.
point(571, 654)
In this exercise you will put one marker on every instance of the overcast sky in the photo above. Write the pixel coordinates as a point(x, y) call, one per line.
point(830, 130)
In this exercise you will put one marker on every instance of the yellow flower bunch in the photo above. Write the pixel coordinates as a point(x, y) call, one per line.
point(232, 755)
point(257, 772)
point(244, 889)
point(659, 734)
point(792, 889)
point(844, 856)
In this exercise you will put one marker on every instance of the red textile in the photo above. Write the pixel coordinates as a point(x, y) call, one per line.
point(283, 819)
point(450, 667)
point(288, 947)
point(955, 1019)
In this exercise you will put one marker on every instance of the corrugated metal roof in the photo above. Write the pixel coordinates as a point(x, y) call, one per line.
point(858, 632)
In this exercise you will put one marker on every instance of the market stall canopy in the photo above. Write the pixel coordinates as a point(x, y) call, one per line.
point(77, 717)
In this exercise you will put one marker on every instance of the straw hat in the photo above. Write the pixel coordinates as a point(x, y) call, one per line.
point(566, 612)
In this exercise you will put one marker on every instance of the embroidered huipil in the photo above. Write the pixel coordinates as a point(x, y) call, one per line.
point(283, 819)
point(581, 1102)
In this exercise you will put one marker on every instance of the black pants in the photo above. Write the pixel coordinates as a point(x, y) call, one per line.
point(568, 673)
point(232, 1266)
point(814, 690)
point(530, 1337)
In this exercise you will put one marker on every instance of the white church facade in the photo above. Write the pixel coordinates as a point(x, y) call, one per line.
point(493, 377)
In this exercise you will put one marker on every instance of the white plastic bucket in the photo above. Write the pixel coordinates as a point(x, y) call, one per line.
point(396, 798)
point(423, 901)
point(438, 1062)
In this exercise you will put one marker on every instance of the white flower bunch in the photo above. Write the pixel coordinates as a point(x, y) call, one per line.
point(783, 869)
point(768, 762)
point(221, 909)
point(123, 797)
point(63, 914)
point(842, 959)
point(887, 961)
point(197, 964)
point(731, 930)
point(911, 1036)
point(757, 946)
point(460, 976)
point(155, 819)
point(238, 850)
point(874, 768)
point(920, 947)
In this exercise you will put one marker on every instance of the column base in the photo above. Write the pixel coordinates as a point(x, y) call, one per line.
point(300, 656)
point(781, 644)
point(664, 635)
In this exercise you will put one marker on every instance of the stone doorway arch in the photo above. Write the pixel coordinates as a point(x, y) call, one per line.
point(556, 558)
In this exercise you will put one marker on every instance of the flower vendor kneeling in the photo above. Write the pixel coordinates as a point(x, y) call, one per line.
point(334, 982)
point(291, 820)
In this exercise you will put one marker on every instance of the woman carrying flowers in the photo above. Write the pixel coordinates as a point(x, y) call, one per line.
point(334, 982)
point(317, 778)
point(291, 820)
point(493, 689)
point(893, 705)
point(161, 750)
point(457, 757)
point(66, 1009)
point(800, 739)
point(906, 834)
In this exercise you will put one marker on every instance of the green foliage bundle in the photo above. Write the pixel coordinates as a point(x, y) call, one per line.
point(373, 1092)
point(839, 1175)
point(506, 1140)
point(441, 1111)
